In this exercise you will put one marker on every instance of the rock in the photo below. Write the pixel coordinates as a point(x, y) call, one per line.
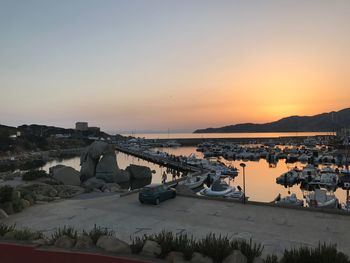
point(111, 187)
point(67, 175)
point(94, 183)
point(122, 176)
point(25, 203)
point(175, 257)
point(139, 172)
point(29, 198)
point(88, 168)
point(151, 249)
point(54, 168)
point(91, 156)
point(84, 242)
point(107, 169)
point(64, 242)
point(3, 214)
point(235, 257)
point(199, 258)
point(112, 244)
point(10, 235)
point(258, 260)
point(68, 191)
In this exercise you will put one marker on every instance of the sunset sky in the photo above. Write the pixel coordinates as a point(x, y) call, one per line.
point(179, 65)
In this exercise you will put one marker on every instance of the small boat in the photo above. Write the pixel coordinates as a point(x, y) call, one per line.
point(291, 200)
point(193, 182)
point(230, 171)
point(236, 194)
point(288, 178)
point(321, 198)
point(218, 188)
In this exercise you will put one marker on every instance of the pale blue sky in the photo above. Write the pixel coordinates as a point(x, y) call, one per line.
point(171, 64)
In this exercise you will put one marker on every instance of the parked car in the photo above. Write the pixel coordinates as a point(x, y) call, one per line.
point(156, 193)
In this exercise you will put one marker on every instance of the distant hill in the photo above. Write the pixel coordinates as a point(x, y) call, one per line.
point(325, 122)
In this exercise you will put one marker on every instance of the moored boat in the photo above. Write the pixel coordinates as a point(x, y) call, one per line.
point(218, 188)
point(321, 198)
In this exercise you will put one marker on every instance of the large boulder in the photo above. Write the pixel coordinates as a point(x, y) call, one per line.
point(199, 258)
point(139, 172)
point(91, 156)
point(67, 175)
point(175, 257)
point(151, 249)
point(94, 183)
point(107, 168)
point(84, 242)
point(88, 168)
point(113, 244)
point(122, 176)
point(235, 257)
point(64, 242)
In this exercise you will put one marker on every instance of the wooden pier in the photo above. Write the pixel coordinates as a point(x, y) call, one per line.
point(179, 166)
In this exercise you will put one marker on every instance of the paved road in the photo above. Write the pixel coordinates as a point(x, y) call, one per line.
point(276, 228)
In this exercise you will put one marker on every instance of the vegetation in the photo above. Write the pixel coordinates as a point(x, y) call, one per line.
point(27, 234)
point(34, 175)
point(324, 253)
point(215, 247)
point(65, 231)
point(5, 229)
point(97, 232)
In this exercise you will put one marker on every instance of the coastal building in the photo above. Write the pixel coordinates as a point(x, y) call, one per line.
point(81, 126)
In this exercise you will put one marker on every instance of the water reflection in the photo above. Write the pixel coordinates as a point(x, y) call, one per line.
point(124, 161)
point(260, 175)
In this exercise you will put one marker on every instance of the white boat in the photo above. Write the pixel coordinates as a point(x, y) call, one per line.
point(327, 177)
point(321, 198)
point(230, 171)
point(288, 178)
point(218, 188)
point(236, 194)
point(308, 173)
point(193, 182)
point(291, 200)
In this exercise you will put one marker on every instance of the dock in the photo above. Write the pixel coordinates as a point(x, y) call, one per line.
point(178, 166)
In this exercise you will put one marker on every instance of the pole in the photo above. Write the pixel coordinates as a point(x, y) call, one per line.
point(244, 185)
point(243, 165)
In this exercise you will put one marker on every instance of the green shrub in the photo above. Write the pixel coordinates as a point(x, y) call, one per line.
point(97, 232)
point(65, 231)
point(250, 250)
point(137, 244)
point(5, 229)
point(324, 253)
point(168, 242)
point(217, 248)
point(27, 234)
point(6, 194)
point(33, 175)
point(271, 259)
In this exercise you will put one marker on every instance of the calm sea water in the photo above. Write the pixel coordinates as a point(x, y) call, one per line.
point(223, 135)
point(260, 176)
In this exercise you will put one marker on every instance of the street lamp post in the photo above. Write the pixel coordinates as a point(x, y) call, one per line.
point(243, 165)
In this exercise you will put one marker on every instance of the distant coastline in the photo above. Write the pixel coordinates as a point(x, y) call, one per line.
point(325, 122)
